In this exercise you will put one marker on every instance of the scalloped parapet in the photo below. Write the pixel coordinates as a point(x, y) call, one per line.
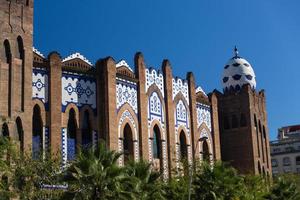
point(77, 55)
point(199, 89)
point(123, 63)
point(37, 52)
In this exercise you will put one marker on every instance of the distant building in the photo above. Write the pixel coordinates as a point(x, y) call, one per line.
point(285, 152)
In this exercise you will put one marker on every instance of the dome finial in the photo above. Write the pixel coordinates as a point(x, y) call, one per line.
point(236, 52)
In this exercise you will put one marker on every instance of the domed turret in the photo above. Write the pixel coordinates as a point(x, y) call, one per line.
point(238, 72)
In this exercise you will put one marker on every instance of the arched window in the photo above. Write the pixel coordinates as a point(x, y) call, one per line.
point(234, 121)
point(128, 146)
point(22, 57)
point(243, 120)
point(156, 148)
point(259, 167)
point(262, 140)
point(183, 146)
point(87, 135)
point(257, 135)
point(7, 52)
point(5, 131)
point(8, 56)
point(205, 151)
point(20, 47)
point(286, 161)
point(298, 160)
point(226, 123)
point(20, 133)
point(156, 143)
point(37, 133)
point(71, 134)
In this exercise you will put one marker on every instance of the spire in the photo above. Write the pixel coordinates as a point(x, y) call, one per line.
point(236, 52)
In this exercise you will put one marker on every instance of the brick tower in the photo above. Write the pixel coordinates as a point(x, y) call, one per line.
point(16, 27)
point(243, 119)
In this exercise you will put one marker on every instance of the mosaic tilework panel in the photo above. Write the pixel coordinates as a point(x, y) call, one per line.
point(203, 115)
point(180, 86)
point(78, 90)
point(64, 142)
point(155, 108)
point(40, 85)
point(154, 77)
point(181, 114)
point(126, 92)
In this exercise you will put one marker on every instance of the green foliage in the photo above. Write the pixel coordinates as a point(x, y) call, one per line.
point(283, 188)
point(218, 182)
point(148, 184)
point(95, 174)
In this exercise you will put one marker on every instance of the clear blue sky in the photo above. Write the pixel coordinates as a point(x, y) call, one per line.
point(195, 35)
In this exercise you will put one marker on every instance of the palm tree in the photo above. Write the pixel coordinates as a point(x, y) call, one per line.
point(218, 182)
point(148, 182)
point(283, 188)
point(94, 174)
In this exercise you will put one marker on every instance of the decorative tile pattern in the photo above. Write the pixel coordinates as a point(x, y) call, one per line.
point(180, 86)
point(155, 108)
point(155, 112)
point(182, 121)
point(181, 114)
point(47, 138)
point(203, 115)
point(40, 85)
point(126, 92)
point(64, 145)
point(78, 90)
point(154, 77)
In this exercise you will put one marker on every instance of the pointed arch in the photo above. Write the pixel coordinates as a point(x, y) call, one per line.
point(37, 132)
point(128, 145)
point(157, 149)
point(20, 133)
point(71, 135)
point(205, 151)
point(183, 145)
point(8, 56)
point(7, 51)
point(257, 135)
point(5, 130)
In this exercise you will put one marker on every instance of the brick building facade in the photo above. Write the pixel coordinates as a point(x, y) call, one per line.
point(54, 104)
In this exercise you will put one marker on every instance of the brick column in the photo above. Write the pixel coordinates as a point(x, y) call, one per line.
point(55, 98)
point(215, 126)
point(143, 107)
point(28, 108)
point(193, 115)
point(106, 102)
point(170, 124)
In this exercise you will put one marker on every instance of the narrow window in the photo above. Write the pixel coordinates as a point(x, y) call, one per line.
point(128, 146)
point(71, 135)
point(20, 133)
point(37, 133)
point(87, 135)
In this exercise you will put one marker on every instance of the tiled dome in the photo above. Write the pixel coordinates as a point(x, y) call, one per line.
point(238, 72)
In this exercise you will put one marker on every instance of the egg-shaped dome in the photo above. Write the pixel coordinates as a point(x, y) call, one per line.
point(238, 72)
